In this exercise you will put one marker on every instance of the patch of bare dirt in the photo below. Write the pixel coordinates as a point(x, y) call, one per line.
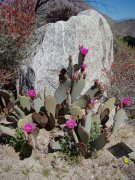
point(43, 165)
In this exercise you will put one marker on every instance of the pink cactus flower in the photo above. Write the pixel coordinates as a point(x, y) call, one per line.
point(31, 93)
point(29, 127)
point(83, 66)
point(84, 51)
point(71, 123)
point(92, 102)
point(126, 101)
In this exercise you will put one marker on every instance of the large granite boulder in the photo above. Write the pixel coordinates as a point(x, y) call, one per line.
point(61, 39)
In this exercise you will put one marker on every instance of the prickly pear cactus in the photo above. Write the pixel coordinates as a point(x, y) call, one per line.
point(70, 69)
point(88, 122)
point(19, 112)
point(84, 136)
point(81, 102)
point(35, 132)
point(96, 118)
point(25, 102)
point(82, 148)
point(7, 131)
point(92, 92)
point(38, 103)
point(76, 67)
point(99, 111)
point(61, 93)
point(32, 141)
point(109, 104)
point(61, 120)
point(77, 88)
point(99, 142)
point(25, 120)
point(119, 119)
point(81, 58)
point(41, 120)
point(76, 112)
point(58, 108)
point(32, 137)
point(51, 122)
point(50, 105)
point(4, 94)
point(11, 118)
point(75, 136)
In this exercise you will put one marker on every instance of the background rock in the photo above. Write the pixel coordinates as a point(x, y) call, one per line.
point(63, 38)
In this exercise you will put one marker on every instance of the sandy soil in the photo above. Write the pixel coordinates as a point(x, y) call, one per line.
point(41, 165)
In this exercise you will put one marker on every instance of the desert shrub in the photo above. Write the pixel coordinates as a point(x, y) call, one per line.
point(122, 75)
point(130, 40)
point(16, 24)
point(9, 53)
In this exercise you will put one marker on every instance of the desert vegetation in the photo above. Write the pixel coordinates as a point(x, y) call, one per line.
point(84, 123)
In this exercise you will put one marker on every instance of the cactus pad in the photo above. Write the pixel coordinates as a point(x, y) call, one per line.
point(5, 95)
point(35, 132)
point(58, 107)
point(25, 120)
point(41, 120)
point(75, 136)
point(19, 112)
point(92, 92)
point(50, 104)
point(82, 148)
point(61, 120)
point(61, 93)
point(109, 104)
point(38, 103)
point(70, 70)
point(51, 122)
point(99, 142)
point(84, 136)
point(7, 131)
point(76, 112)
point(88, 121)
point(32, 141)
point(11, 118)
point(25, 102)
point(77, 88)
point(81, 102)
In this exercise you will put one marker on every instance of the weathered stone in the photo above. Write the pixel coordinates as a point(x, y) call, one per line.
point(61, 39)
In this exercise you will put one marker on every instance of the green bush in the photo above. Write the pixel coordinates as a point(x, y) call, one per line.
point(9, 52)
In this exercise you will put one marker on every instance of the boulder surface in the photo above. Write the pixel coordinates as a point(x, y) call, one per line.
point(61, 39)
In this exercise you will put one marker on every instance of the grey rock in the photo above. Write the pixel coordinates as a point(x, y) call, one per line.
point(61, 39)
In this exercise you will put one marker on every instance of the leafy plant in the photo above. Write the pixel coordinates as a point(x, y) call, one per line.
point(94, 133)
point(68, 147)
point(20, 144)
point(122, 70)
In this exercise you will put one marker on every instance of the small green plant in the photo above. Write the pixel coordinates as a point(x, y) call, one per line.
point(5, 139)
point(94, 131)
point(20, 144)
point(132, 115)
point(46, 172)
point(68, 146)
point(26, 172)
